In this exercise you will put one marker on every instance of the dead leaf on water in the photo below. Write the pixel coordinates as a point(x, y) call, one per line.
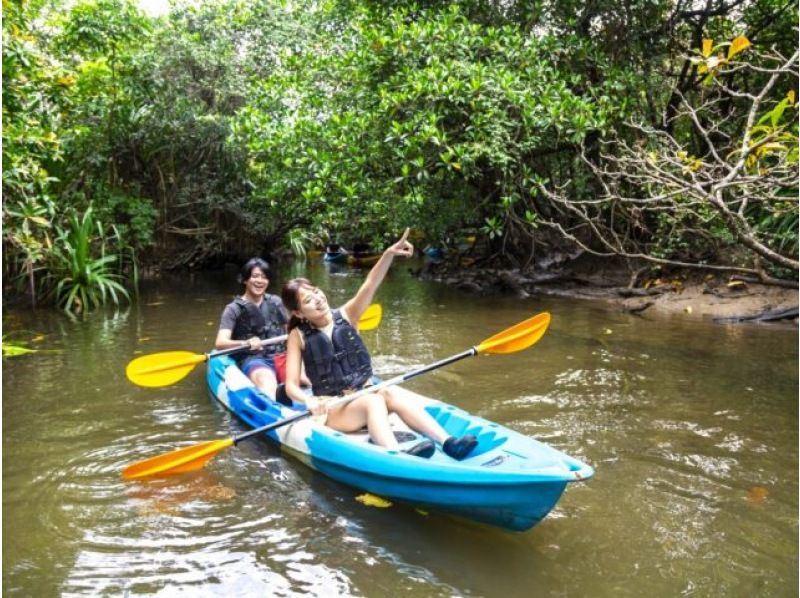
point(158, 507)
point(171, 500)
point(38, 338)
point(154, 303)
point(219, 492)
point(373, 501)
point(144, 338)
point(422, 512)
point(757, 495)
point(608, 331)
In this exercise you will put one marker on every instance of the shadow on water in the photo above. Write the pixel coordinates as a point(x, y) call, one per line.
point(691, 426)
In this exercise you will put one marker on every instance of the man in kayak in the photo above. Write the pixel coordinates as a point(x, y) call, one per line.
point(253, 317)
point(336, 362)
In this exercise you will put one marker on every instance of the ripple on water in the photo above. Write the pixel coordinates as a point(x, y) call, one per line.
point(388, 366)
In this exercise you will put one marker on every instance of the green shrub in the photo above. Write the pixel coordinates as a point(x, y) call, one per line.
point(84, 280)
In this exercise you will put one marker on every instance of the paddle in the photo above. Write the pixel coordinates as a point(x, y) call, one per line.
point(169, 367)
point(518, 337)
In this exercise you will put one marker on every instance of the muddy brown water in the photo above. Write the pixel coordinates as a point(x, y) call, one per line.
point(692, 428)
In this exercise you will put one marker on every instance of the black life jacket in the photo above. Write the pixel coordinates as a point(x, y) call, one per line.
point(251, 322)
point(338, 363)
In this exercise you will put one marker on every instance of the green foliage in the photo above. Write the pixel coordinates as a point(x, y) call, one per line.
point(134, 217)
point(85, 272)
point(33, 90)
point(298, 240)
point(229, 126)
point(418, 118)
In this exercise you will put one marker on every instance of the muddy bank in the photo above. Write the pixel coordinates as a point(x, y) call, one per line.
point(723, 298)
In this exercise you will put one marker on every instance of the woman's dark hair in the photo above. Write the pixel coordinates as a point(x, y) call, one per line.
point(289, 296)
point(247, 269)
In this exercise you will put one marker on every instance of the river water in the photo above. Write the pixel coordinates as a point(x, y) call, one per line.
point(692, 428)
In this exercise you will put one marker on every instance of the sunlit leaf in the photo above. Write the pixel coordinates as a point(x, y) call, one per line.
point(708, 45)
point(12, 350)
point(739, 44)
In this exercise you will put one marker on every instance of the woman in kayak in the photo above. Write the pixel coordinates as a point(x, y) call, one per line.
point(253, 317)
point(337, 362)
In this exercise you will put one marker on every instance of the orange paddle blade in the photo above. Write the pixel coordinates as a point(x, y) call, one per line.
point(517, 337)
point(371, 317)
point(186, 459)
point(162, 369)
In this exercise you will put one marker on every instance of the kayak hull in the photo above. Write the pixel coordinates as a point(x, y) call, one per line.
point(509, 480)
point(363, 260)
point(335, 257)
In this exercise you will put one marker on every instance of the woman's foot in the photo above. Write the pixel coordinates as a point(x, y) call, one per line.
point(424, 449)
point(459, 448)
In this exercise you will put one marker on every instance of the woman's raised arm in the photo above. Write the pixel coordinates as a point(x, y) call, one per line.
point(361, 300)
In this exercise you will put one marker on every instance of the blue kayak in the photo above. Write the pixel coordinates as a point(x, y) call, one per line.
point(509, 480)
point(335, 257)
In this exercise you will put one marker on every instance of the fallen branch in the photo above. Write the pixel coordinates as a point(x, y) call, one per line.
point(767, 316)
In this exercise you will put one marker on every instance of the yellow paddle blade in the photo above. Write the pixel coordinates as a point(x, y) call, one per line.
point(162, 369)
point(186, 459)
point(518, 337)
point(371, 317)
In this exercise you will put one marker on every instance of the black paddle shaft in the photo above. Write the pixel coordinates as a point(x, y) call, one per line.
point(270, 427)
point(245, 346)
point(379, 386)
point(440, 363)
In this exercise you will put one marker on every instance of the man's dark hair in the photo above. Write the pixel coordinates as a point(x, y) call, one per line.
point(254, 262)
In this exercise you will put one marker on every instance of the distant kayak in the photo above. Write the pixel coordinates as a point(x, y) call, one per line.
point(434, 253)
point(363, 260)
point(509, 480)
point(337, 257)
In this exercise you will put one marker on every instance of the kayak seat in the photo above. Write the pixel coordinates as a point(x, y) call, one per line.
point(255, 409)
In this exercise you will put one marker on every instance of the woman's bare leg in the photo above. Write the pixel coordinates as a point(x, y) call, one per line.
point(369, 410)
point(405, 404)
point(265, 381)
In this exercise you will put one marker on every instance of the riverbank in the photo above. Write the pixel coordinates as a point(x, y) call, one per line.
point(722, 298)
